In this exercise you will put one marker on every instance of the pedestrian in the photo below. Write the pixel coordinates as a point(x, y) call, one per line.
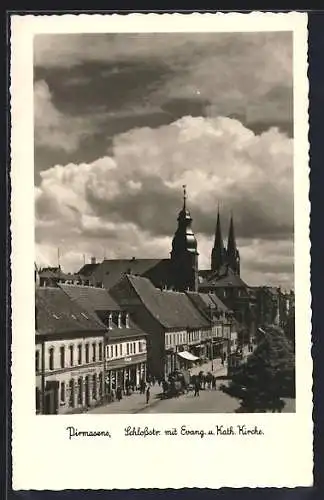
point(147, 394)
point(197, 387)
point(214, 383)
point(119, 393)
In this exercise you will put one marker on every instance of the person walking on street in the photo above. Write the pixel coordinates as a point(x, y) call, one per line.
point(119, 393)
point(147, 394)
point(197, 387)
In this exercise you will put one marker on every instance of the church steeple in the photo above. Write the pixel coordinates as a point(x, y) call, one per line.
point(218, 252)
point(184, 254)
point(233, 256)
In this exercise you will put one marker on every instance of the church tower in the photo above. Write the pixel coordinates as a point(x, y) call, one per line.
point(233, 256)
point(184, 254)
point(218, 255)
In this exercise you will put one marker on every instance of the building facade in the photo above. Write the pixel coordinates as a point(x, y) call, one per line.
point(125, 350)
point(69, 356)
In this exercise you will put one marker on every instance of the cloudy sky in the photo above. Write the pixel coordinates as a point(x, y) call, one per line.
point(122, 121)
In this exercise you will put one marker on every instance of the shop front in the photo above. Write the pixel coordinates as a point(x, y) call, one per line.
point(186, 360)
point(125, 372)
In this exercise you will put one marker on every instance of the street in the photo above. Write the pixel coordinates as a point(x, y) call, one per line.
point(209, 401)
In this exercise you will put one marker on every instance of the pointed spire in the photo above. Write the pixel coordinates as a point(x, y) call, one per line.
point(218, 252)
point(233, 256)
point(231, 245)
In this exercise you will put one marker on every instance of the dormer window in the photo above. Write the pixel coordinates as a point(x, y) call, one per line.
point(127, 320)
point(110, 321)
point(119, 320)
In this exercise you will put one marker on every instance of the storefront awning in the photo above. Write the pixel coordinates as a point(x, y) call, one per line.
point(187, 355)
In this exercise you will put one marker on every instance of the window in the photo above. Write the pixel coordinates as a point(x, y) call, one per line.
point(87, 353)
point(100, 384)
point(100, 352)
point(93, 353)
point(71, 388)
point(111, 351)
point(80, 354)
point(131, 348)
point(116, 350)
point(127, 320)
point(110, 321)
point(62, 356)
point(94, 386)
point(120, 349)
point(119, 320)
point(71, 355)
point(51, 358)
point(37, 362)
point(127, 348)
point(80, 387)
point(134, 347)
point(139, 346)
point(62, 392)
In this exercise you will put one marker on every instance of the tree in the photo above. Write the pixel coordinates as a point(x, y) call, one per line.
point(289, 327)
point(267, 376)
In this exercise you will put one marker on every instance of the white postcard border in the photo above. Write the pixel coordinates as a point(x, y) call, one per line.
point(43, 456)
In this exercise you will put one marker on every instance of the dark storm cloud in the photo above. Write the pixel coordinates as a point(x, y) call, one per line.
point(155, 207)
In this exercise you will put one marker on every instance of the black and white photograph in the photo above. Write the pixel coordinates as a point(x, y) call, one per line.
point(162, 265)
point(164, 227)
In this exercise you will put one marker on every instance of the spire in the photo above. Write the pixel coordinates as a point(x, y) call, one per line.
point(231, 245)
point(218, 252)
point(233, 256)
point(184, 196)
point(184, 254)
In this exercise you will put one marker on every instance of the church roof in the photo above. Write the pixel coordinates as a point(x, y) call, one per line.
point(171, 309)
point(110, 271)
point(57, 313)
point(230, 279)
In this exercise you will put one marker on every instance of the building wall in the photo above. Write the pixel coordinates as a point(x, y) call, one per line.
point(124, 294)
point(121, 349)
point(72, 384)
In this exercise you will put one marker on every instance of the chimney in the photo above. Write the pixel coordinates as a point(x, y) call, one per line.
point(93, 260)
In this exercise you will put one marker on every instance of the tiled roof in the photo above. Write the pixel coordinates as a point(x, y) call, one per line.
point(229, 280)
point(203, 301)
point(96, 301)
point(88, 269)
point(57, 313)
point(171, 309)
point(110, 271)
point(217, 301)
point(91, 298)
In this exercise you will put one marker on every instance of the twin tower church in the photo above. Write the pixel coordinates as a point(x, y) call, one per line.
point(184, 272)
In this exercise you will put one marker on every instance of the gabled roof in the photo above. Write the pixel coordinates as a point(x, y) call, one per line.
point(97, 301)
point(110, 271)
point(88, 269)
point(170, 309)
point(204, 301)
point(230, 279)
point(91, 298)
point(217, 301)
point(57, 313)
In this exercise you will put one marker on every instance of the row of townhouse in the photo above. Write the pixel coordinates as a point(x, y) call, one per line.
point(89, 341)
point(179, 330)
point(86, 346)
